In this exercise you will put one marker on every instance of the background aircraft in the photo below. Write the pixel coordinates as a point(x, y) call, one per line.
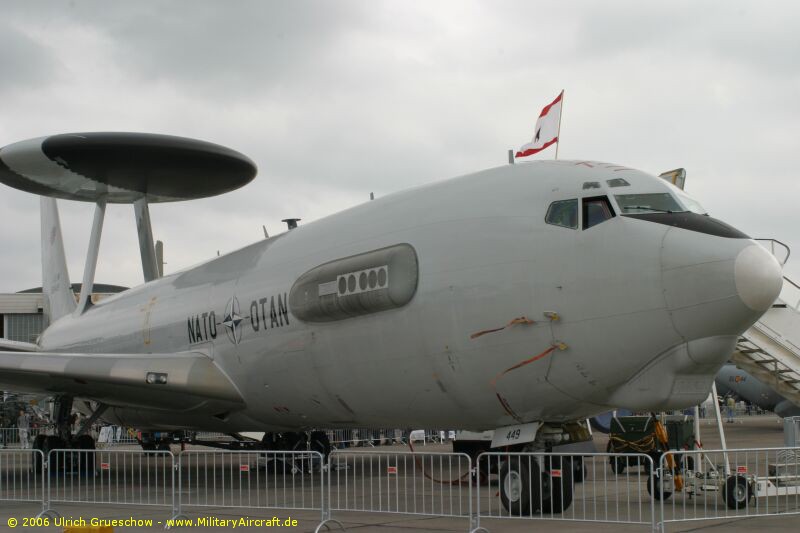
point(733, 380)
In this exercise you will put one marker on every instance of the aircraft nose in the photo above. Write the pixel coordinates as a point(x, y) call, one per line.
point(716, 286)
point(758, 277)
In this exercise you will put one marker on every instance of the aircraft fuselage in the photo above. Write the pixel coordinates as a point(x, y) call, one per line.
point(643, 310)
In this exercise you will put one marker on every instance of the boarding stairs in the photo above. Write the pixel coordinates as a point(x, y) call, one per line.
point(770, 349)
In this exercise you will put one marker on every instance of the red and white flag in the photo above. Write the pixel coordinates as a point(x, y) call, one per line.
point(546, 129)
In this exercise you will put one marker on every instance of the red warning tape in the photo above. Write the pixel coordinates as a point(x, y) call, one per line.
point(519, 320)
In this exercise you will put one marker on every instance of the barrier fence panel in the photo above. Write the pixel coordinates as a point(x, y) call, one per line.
point(11, 438)
point(343, 438)
point(418, 483)
point(118, 477)
point(595, 487)
point(252, 479)
point(791, 431)
point(21, 476)
point(718, 484)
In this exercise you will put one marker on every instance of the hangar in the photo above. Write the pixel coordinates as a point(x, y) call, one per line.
point(21, 316)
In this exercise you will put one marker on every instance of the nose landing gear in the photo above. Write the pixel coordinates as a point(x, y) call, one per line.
point(530, 484)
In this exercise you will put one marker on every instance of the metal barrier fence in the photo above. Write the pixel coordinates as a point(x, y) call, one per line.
point(118, 477)
point(10, 437)
point(21, 476)
point(688, 485)
point(791, 431)
point(275, 480)
point(433, 484)
point(343, 438)
point(569, 487)
point(718, 484)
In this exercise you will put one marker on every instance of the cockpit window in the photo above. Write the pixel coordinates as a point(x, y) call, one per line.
point(563, 213)
point(658, 202)
point(596, 210)
point(617, 182)
point(591, 185)
point(692, 205)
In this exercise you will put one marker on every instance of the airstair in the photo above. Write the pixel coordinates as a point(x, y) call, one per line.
point(770, 349)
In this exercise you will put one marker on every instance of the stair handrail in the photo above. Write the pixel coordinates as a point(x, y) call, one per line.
point(772, 243)
point(777, 339)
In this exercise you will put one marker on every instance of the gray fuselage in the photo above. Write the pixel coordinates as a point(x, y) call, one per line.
point(647, 311)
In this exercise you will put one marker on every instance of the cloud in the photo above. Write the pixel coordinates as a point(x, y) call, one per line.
point(334, 100)
point(26, 63)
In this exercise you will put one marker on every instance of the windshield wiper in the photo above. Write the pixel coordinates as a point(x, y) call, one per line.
point(648, 208)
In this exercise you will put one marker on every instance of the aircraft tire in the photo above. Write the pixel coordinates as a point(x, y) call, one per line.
point(579, 470)
point(519, 485)
point(84, 442)
point(737, 492)
point(655, 491)
point(557, 487)
point(38, 444)
point(54, 442)
point(321, 443)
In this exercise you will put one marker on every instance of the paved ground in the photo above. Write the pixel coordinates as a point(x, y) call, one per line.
point(376, 483)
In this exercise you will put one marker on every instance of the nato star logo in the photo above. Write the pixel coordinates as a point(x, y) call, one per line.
point(232, 321)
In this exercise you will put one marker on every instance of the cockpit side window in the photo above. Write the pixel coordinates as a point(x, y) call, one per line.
point(563, 213)
point(596, 210)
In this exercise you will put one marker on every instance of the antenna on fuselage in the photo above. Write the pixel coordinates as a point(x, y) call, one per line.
point(160, 258)
point(291, 223)
point(266, 235)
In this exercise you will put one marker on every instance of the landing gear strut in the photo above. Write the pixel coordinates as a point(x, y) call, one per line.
point(64, 439)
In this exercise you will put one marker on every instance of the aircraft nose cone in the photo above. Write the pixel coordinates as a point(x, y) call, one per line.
point(716, 286)
point(758, 278)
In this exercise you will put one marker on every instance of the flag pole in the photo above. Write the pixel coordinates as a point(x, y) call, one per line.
point(558, 135)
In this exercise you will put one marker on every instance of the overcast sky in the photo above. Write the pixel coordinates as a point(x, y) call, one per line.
point(334, 100)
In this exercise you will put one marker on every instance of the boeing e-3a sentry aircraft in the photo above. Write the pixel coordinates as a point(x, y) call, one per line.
point(519, 299)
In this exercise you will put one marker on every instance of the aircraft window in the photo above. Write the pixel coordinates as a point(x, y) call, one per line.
point(658, 202)
point(617, 182)
point(692, 205)
point(591, 185)
point(563, 213)
point(596, 210)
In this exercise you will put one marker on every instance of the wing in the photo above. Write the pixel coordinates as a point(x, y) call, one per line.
point(16, 346)
point(176, 381)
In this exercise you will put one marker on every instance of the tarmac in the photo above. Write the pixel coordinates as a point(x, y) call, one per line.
point(747, 432)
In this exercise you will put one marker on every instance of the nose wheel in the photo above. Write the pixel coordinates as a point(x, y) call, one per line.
point(519, 496)
point(527, 488)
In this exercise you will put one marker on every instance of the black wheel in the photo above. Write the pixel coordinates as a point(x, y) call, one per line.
point(84, 442)
point(83, 462)
point(737, 492)
point(557, 484)
point(617, 463)
point(519, 485)
point(655, 490)
point(57, 460)
point(321, 443)
point(38, 444)
point(579, 470)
